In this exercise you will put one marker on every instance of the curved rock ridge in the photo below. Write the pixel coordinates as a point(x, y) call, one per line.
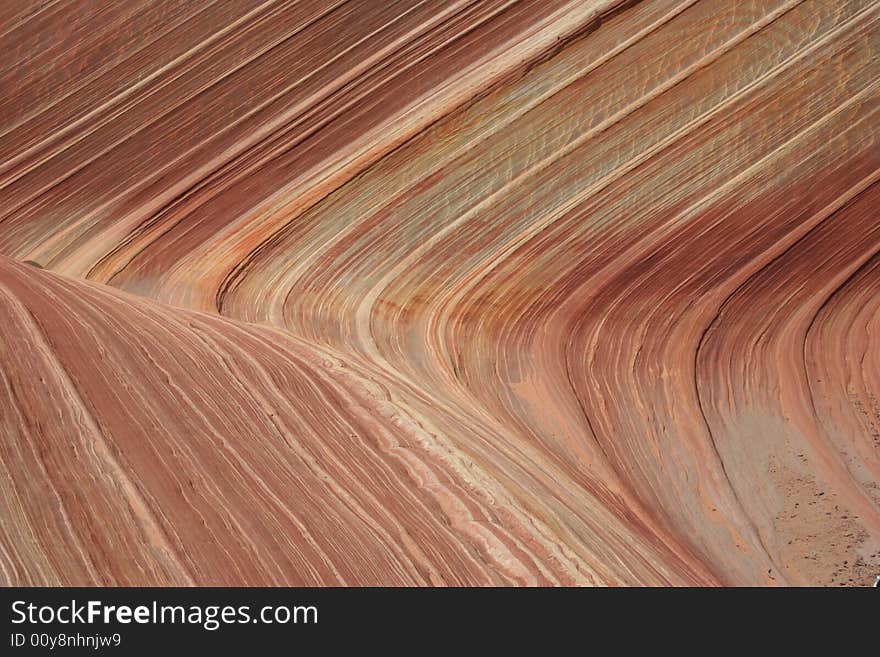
point(455, 292)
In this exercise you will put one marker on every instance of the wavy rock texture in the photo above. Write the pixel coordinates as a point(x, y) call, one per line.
point(447, 292)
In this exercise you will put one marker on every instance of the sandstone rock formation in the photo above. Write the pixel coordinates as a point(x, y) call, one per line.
point(534, 292)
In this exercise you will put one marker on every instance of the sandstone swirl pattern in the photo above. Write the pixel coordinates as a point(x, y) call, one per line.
point(440, 292)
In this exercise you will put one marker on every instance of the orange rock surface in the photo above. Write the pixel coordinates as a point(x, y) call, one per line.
point(535, 292)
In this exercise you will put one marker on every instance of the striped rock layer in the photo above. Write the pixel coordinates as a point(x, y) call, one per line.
point(447, 292)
